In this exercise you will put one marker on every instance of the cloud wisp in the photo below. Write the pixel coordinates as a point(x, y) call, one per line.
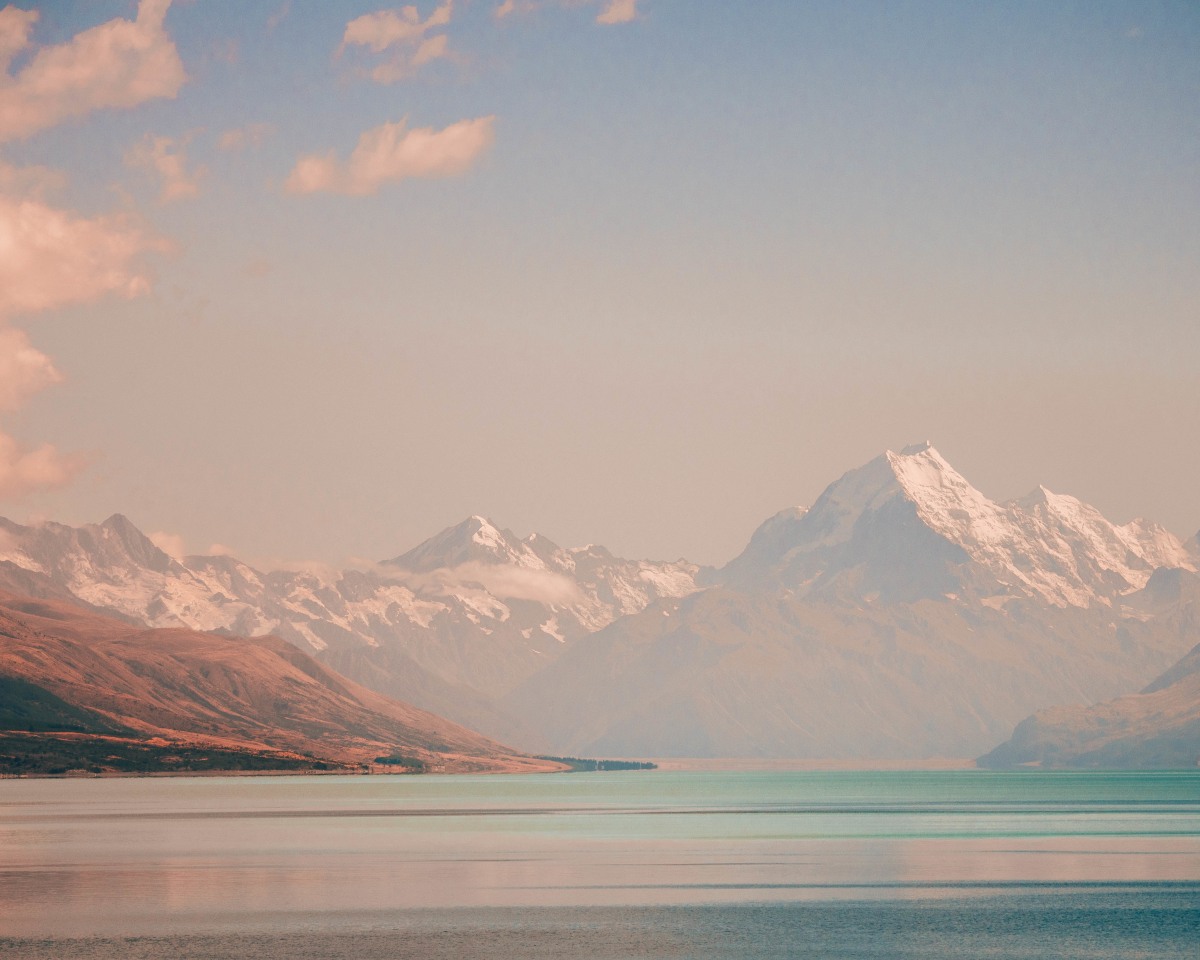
point(392, 152)
point(25, 371)
point(117, 64)
point(241, 138)
point(166, 157)
point(50, 257)
point(502, 581)
point(614, 11)
point(618, 11)
point(172, 544)
point(410, 40)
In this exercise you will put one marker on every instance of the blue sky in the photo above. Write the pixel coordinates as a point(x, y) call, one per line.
point(689, 268)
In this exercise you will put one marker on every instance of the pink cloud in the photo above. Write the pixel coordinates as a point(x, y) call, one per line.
point(618, 11)
point(165, 157)
point(386, 28)
point(406, 34)
point(172, 544)
point(615, 11)
point(24, 370)
point(22, 471)
point(15, 27)
point(50, 257)
point(120, 63)
point(33, 181)
point(251, 135)
point(392, 152)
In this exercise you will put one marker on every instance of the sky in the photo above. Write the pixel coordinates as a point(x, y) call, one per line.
point(315, 280)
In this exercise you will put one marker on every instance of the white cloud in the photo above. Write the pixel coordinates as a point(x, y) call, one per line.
point(120, 63)
point(165, 157)
point(404, 33)
point(24, 370)
point(618, 11)
point(171, 544)
point(392, 152)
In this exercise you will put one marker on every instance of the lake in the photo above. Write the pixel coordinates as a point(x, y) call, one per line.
point(815, 864)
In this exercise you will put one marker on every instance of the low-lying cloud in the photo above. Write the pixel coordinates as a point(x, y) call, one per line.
point(393, 152)
point(172, 544)
point(502, 581)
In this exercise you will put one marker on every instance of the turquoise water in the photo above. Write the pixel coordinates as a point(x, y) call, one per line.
point(1080, 864)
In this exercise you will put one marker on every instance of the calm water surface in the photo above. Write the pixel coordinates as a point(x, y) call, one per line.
point(640, 864)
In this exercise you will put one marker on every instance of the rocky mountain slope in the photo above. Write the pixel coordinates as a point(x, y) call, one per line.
point(180, 689)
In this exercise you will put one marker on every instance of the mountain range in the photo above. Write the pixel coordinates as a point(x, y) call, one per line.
point(904, 614)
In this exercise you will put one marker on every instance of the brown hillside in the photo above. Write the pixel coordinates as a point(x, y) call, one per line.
point(195, 688)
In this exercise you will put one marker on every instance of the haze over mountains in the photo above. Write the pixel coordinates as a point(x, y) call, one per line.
point(1159, 726)
point(903, 615)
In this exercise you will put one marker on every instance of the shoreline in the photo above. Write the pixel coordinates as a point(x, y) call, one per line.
point(663, 765)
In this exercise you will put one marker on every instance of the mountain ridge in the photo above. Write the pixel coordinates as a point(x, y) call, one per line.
point(900, 563)
point(1044, 545)
point(478, 612)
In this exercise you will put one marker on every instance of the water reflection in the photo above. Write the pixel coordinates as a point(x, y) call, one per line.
point(96, 857)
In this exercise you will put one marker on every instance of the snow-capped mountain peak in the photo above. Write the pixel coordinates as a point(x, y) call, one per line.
point(944, 499)
point(474, 540)
point(913, 510)
point(918, 474)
